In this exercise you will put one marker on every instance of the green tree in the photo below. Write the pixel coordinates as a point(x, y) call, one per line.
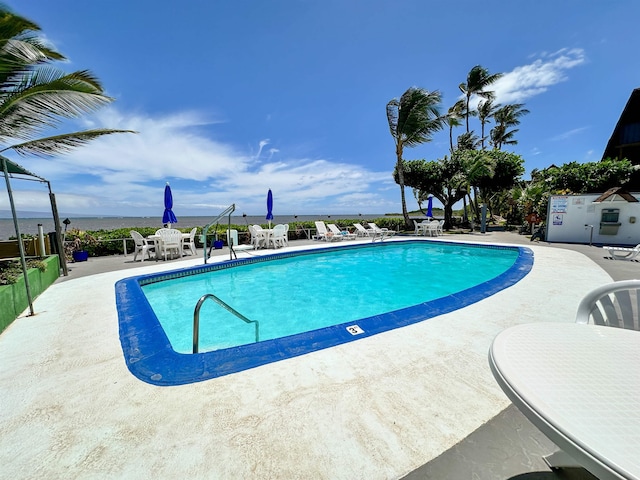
point(36, 97)
point(486, 109)
point(443, 178)
point(506, 117)
point(478, 80)
point(413, 119)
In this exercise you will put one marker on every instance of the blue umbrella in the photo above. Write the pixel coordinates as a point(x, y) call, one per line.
point(430, 207)
point(269, 207)
point(168, 218)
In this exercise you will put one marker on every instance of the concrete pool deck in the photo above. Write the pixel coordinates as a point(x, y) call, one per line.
point(382, 407)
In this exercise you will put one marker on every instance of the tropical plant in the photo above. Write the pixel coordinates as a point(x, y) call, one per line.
point(478, 80)
point(486, 109)
point(413, 119)
point(36, 97)
point(506, 117)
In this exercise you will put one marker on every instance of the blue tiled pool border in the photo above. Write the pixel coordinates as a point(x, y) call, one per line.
point(150, 357)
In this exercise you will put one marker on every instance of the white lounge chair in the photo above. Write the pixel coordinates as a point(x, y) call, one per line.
point(169, 240)
point(345, 234)
point(323, 234)
point(381, 232)
point(143, 247)
point(189, 243)
point(615, 304)
point(361, 231)
point(623, 253)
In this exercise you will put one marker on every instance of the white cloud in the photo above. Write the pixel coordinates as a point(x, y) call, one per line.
point(535, 78)
point(125, 174)
point(569, 133)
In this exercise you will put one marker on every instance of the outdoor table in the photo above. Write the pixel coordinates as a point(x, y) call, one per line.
point(579, 384)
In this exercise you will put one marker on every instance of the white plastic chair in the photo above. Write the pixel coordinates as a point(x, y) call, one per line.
point(615, 304)
point(258, 237)
point(277, 237)
point(170, 240)
point(433, 228)
point(143, 247)
point(190, 243)
point(232, 239)
point(323, 234)
point(360, 230)
point(336, 231)
point(381, 232)
point(623, 253)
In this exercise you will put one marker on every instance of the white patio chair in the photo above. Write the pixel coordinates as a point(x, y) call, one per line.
point(433, 228)
point(258, 236)
point(286, 234)
point(190, 242)
point(143, 247)
point(615, 304)
point(422, 228)
point(441, 227)
point(345, 234)
point(232, 240)
point(277, 237)
point(170, 240)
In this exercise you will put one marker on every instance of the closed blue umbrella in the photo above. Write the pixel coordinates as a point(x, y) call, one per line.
point(430, 207)
point(269, 207)
point(168, 218)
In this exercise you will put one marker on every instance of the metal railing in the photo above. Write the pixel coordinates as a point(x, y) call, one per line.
point(229, 308)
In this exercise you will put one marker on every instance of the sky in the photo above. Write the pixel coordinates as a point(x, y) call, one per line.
point(231, 99)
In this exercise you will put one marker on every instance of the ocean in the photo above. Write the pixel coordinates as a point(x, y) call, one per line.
point(30, 225)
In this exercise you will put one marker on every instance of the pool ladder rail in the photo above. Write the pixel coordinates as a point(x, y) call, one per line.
point(196, 318)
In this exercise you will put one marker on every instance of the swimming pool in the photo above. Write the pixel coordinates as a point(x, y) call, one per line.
point(438, 277)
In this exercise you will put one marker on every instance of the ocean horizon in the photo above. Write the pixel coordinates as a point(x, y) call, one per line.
point(30, 225)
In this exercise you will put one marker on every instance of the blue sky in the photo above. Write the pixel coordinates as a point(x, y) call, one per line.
point(234, 98)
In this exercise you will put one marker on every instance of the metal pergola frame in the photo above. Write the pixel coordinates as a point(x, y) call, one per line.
point(13, 170)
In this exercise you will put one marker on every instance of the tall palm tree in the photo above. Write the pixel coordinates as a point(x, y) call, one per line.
point(486, 109)
point(36, 97)
point(506, 117)
point(478, 80)
point(454, 115)
point(412, 121)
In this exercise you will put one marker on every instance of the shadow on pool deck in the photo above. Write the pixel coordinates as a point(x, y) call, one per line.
point(506, 447)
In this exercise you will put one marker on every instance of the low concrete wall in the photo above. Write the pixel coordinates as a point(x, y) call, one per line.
point(13, 298)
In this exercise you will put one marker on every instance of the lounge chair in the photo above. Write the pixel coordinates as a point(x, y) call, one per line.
point(323, 234)
point(615, 304)
point(381, 232)
point(143, 247)
point(623, 253)
point(345, 234)
point(361, 231)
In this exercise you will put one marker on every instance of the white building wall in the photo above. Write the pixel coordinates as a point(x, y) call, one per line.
point(570, 217)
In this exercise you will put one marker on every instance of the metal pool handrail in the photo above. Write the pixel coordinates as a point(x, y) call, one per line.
point(196, 318)
point(226, 213)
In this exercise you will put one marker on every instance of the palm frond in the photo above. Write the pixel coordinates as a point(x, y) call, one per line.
point(45, 147)
point(45, 98)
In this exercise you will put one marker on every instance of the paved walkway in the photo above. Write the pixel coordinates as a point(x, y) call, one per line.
point(417, 401)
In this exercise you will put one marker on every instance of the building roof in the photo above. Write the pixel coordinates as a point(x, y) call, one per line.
point(625, 139)
point(616, 194)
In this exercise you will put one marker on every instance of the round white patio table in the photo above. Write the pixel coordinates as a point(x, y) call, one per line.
point(580, 386)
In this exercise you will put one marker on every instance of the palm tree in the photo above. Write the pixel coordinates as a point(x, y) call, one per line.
point(412, 121)
point(478, 80)
point(486, 110)
point(506, 117)
point(35, 96)
point(454, 114)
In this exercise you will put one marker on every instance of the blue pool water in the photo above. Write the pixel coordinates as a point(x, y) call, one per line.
point(304, 301)
point(307, 292)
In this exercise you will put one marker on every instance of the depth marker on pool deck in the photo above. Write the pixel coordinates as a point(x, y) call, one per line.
point(354, 330)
